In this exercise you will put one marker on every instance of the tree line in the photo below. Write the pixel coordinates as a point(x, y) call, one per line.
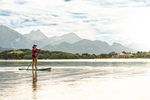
point(26, 54)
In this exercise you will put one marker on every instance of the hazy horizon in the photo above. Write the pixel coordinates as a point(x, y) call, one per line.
point(123, 21)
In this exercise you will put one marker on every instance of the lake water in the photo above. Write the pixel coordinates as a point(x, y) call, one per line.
point(104, 79)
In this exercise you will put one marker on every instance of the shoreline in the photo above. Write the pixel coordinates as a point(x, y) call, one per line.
point(81, 60)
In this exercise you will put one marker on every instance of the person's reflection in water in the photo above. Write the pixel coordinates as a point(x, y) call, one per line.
point(34, 83)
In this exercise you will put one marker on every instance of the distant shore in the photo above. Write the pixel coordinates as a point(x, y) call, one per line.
point(43, 54)
point(82, 60)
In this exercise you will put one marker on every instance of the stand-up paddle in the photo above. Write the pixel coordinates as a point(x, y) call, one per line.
point(39, 69)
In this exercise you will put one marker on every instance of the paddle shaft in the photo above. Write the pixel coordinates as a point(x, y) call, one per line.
point(29, 65)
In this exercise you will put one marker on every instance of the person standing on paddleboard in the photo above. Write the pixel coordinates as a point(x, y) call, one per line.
point(35, 52)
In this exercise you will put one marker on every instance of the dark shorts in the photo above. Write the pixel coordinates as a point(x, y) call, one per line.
point(33, 56)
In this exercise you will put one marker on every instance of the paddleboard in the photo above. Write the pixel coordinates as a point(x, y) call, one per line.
point(40, 69)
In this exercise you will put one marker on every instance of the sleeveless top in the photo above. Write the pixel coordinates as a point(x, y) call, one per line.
point(34, 52)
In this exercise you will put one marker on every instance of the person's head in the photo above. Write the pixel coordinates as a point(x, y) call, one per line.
point(34, 46)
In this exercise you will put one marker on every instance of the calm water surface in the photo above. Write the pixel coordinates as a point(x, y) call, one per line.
point(76, 80)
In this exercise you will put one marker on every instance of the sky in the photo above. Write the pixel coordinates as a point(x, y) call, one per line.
point(123, 21)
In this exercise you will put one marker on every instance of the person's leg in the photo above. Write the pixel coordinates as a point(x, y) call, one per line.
point(36, 63)
point(33, 63)
point(34, 75)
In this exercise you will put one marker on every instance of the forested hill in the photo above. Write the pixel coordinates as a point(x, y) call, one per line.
point(26, 54)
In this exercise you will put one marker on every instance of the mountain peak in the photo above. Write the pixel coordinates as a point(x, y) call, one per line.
point(116, 44)
point(3, 26)
point(69, 38)
point(36, 30)
point(36, 35)
point(71, 35)
point(12, 39)
point(4, 29)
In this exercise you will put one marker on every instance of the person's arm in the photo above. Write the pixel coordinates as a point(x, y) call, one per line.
point(37, 52)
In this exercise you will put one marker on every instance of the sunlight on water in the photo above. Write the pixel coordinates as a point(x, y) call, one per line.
point(108, 81)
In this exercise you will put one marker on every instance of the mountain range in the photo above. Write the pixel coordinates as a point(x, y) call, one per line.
point(88, 46)
point(67, 43)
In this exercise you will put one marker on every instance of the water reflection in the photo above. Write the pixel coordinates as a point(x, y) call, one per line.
point(34, 83)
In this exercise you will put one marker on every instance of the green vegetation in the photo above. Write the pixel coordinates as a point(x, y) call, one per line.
point(26, 54)
point(16, 52)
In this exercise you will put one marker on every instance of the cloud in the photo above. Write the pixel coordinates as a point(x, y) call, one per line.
point(121, 3)
point(21, 2)
point(4, 13)
point(67, 0)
